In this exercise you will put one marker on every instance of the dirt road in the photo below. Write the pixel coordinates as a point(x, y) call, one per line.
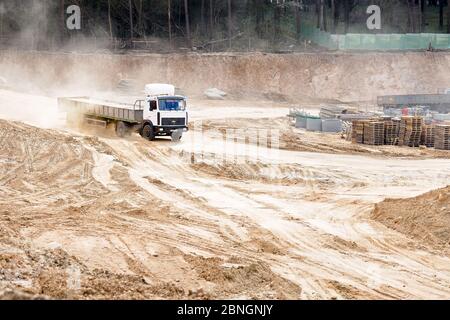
point(88, 217)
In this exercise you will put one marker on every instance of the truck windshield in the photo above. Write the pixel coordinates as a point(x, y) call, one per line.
point(172, 105)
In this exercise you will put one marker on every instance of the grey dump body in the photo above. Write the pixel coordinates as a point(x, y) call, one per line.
point(437, 102)
point(133, 114)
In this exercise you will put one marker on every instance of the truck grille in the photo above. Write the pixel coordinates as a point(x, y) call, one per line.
point(173, 122)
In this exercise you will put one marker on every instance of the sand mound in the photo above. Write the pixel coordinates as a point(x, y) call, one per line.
point(425, 218)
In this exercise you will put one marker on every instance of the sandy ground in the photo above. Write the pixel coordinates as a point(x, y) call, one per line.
point(209, 217)
point(426, 217)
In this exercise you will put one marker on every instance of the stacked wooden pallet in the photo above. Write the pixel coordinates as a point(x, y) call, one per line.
point(442, 137)
point(331, 112)
point(358, 131)
point(410, 131)
point(374, 133)
point(427, 137)
point(391, 132)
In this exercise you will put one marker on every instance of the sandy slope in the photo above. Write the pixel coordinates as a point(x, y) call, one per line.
point(298, 77)
point(426, 217)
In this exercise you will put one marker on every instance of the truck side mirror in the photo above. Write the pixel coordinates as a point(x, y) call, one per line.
point(153, 105)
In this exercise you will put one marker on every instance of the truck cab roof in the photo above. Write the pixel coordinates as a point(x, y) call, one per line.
point(166, 97)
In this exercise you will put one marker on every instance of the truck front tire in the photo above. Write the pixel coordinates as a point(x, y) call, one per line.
point(148, 132)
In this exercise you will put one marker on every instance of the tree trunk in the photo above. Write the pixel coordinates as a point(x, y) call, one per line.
point(410, 22)
point(188, 27)
point(169, 21)
point(63, 20)
point(230, 24)
point(131, 19)
point(321, 16)
point(448, 18)
point(318, 13)
point(277, 24)
point(420, 16)
point(140, 29)
point(110, 20)
point(347, 14)
point(333, 16)
point(211, 19)
point(298, 21)
point(202, 17)
point(257, 6)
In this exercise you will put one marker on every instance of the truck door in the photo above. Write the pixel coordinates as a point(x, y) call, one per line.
point(151, 112)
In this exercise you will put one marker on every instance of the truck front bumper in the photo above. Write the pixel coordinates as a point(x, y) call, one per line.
point(167, 131)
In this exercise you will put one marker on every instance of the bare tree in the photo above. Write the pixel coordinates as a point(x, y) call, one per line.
point(347, 14)
point(318, 13)
point(420, 15)
point(277, 24)
point(259, 17)
point(169, 20)
point(448, 17)
point(140, 21)
point(202, 17)
point(230, 23)
point(211, 19)
point(62, 13)
point(410, 23)
point(110, 20)
point(333, 16)
point(188, 27)
point(322, 15)
point(298, 21)
point(130, 4)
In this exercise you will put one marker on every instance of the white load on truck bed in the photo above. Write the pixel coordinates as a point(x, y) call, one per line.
point(159, 89)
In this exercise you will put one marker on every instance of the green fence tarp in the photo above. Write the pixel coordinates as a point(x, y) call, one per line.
point(396, 42)
point(441, 41)
point(369, 41)
point(352, 41)
point(386, 42)
point(383, 41)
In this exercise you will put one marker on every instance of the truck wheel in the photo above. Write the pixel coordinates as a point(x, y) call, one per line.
point(121, 129)
point(148, 132)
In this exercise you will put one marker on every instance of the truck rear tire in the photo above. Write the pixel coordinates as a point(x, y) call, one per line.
point(121, 129)
point(148, 132)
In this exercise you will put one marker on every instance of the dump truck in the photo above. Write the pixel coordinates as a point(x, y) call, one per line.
point(160, 113)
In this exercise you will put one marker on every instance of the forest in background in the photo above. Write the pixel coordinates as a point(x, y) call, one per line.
point(206, 25)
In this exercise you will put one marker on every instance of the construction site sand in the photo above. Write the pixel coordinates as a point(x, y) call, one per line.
point(101, 217)
point(290, 138)
point(425, 218)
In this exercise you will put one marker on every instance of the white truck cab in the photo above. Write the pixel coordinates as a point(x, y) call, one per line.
point(165, 113)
